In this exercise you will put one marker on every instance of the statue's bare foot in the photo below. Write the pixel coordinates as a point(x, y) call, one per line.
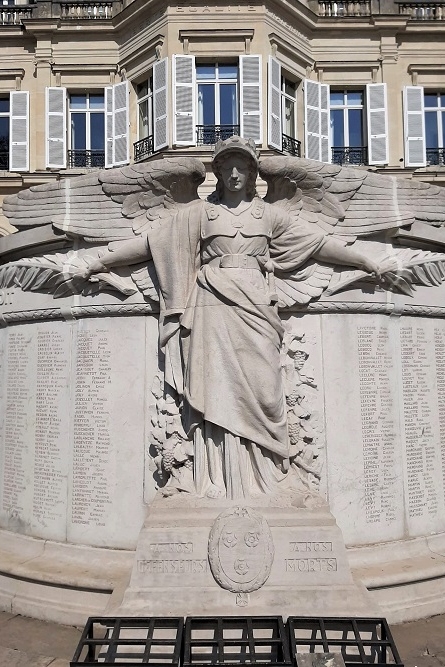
point(215, 492)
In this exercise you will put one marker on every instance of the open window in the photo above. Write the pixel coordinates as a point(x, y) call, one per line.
point(87, 130)
point(213, 100)
point(424, 116)
point(347, 125)
point(282, 111)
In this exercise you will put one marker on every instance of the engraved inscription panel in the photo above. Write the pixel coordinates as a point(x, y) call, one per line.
point(386, 432)
point(107, 438)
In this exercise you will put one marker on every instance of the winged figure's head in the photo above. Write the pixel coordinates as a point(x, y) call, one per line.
point(236, 149)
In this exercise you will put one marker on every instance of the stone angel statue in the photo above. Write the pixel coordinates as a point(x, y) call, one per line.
point(222, 269)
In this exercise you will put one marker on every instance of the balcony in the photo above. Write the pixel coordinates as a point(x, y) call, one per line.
point(83, 9)
point(11, 15)
point(355, 155)
point(4, 160)
point(86, 159)
point(290, 145)
point(209, 135)
point(423, 11)
point(341, 9)
point(143, 148)
point(435, 157)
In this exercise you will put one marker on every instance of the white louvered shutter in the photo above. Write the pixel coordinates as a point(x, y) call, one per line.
point(414, 126)
point(274, 125)
point(316, 114)
point(121, 124)
point(56, 128)
point(160, 104)
point(250, 98)
point(19, 131)
point(377, 123)
point(109, 140)
point(184, 101)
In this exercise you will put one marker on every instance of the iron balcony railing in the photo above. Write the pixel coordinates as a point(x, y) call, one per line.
point(355, 155)
point(86, 159)
point(208, 135)
point(290, 145)
point(434, 157)
point(143, 148)
point(4, 160)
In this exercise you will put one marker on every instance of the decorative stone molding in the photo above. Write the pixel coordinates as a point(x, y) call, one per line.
point(215, 36)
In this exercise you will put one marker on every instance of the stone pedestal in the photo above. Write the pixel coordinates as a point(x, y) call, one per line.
point(224, 558)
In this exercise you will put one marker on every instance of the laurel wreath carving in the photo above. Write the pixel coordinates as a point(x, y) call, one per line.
point(413, 267)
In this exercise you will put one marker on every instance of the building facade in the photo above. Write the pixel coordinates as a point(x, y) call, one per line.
point(93, 84)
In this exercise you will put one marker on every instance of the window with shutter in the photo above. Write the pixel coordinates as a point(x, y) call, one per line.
point(4, 132)
point(121, 124)
point(160, 104)
point(250, 98)
point(19, 131)
point(377, 123)
point(274, 129)
point(434, 114)
point(56, 128)
point(109, 136)
point(184, 101)
point(414, 126)
point(316, 105)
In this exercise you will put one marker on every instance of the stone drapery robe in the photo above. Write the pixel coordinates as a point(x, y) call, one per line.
point(221, 335)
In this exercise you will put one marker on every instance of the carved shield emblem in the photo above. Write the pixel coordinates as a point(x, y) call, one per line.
point(240, 550)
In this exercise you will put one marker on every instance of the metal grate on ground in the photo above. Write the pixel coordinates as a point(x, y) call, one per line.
point(360, 641)
point(130, 641)
point(235, 640)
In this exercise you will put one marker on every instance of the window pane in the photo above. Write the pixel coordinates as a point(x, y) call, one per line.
point(97, 130)
point(205, 72)
point(430, 99)
point(96, 101)
point(442, 101)
point(227, 100)
point(228, 72)
point(337, 97)
point(78, 101)
point(206, 105)
point(289, 88)
point(289, 118)
point(443, 129)
point(431, 130)
point(4, 134)
point(354, 97)
point(4, 104)
point(78, 131)
point(355, 127)
point(143, 120)
point(337, 128)
point(142, 89)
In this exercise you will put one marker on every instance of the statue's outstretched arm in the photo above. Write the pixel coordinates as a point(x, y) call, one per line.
point(334, 252)
point(123, 253)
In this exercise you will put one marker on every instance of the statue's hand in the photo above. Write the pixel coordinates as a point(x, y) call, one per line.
point(96, 266)
point(388, 263)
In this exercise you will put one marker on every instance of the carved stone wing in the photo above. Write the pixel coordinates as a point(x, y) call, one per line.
point(106, 206)
point(349, 202)
point(112, 204)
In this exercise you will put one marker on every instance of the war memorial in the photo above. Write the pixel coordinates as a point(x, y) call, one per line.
point(232, 405)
